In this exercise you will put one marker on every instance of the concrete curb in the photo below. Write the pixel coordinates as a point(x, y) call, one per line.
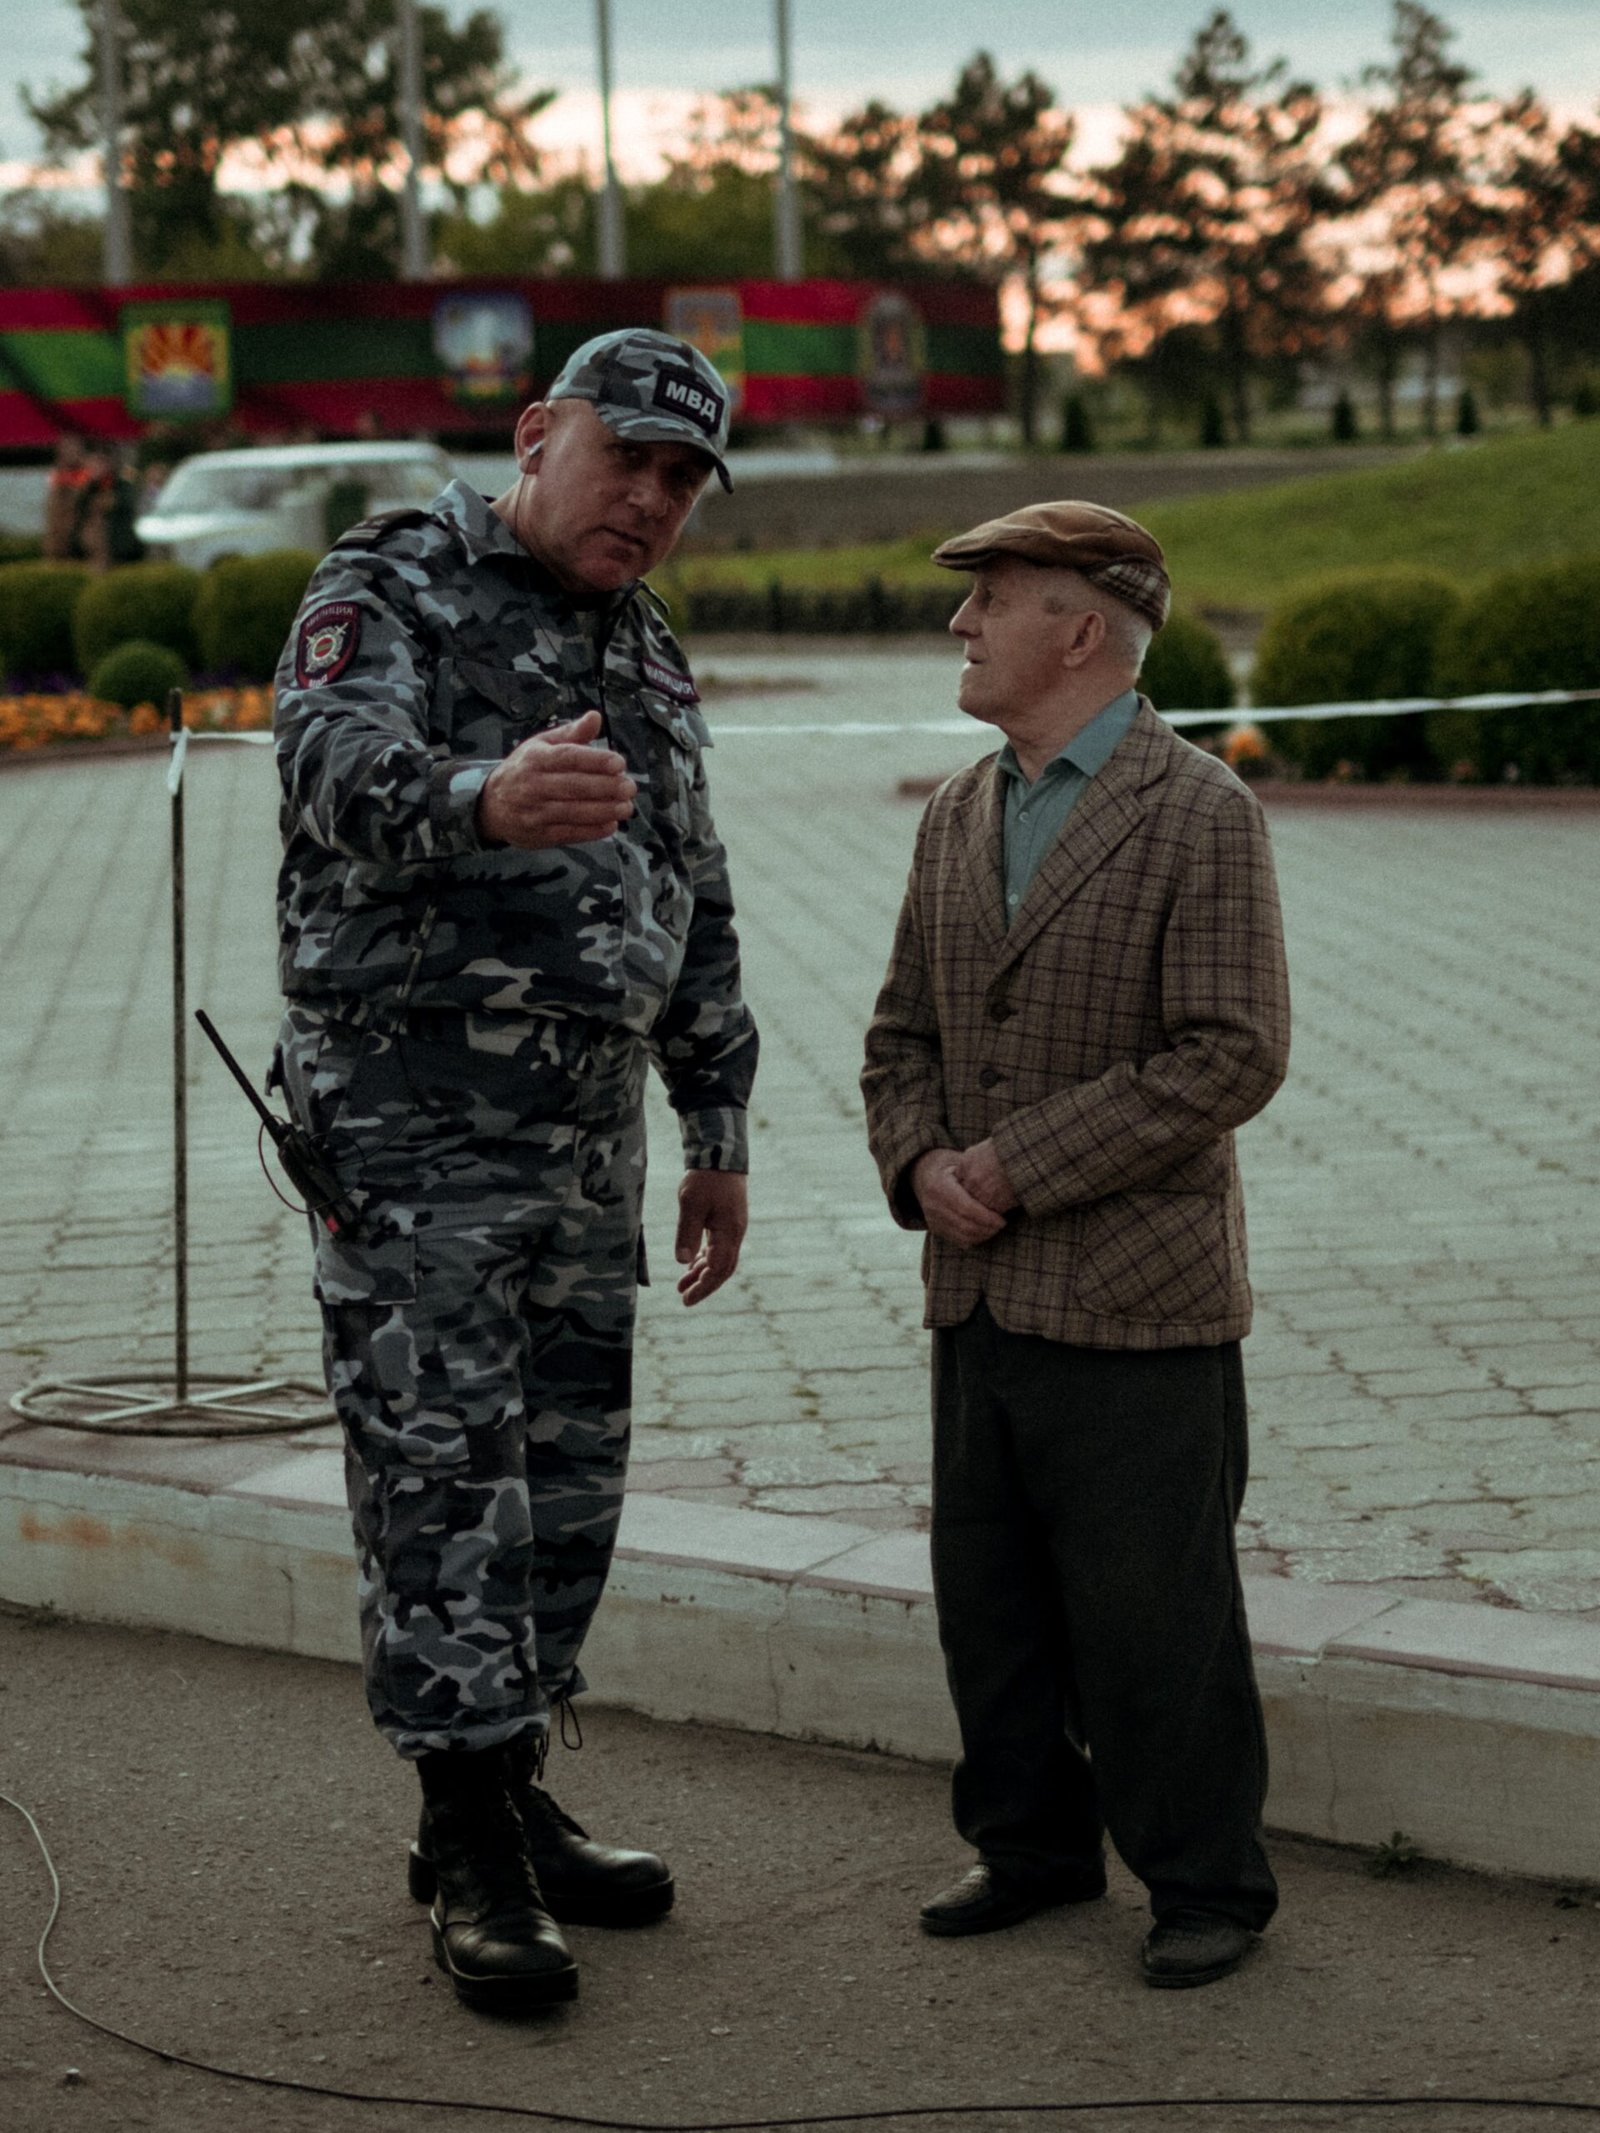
point(1474, 1729)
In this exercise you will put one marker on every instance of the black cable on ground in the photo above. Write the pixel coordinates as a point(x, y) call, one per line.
point(756, 2125)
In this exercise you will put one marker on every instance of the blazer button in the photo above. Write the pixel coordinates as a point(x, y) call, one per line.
point(1002, 1011)
point(989, 1076)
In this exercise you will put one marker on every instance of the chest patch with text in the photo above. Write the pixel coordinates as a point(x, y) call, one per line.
point(328, 640)
point(670, 682)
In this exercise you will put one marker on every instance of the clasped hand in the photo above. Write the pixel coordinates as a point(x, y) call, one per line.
point(965, 1194)
point(553, 788)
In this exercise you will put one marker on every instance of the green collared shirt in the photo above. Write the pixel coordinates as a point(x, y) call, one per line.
point(1036, 814)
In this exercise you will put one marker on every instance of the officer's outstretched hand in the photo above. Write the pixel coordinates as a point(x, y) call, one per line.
point(713, 1215)
point(553, 788)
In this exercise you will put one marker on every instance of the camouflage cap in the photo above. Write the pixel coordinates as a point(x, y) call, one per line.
point(651, 386)
point(1111, 551)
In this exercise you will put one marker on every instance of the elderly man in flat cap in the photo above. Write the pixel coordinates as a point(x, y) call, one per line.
point(1086, 996)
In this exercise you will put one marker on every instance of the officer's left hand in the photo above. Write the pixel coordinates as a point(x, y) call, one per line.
point(713, 1214)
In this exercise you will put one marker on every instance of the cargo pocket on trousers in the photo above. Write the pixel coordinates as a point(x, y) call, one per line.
point(352, 1269)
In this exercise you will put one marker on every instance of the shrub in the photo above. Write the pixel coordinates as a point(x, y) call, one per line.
point(149, 602)
point(781, 609)
point(1350, 639)
point(245, 608)
point(36, 607)
point(1077, 429)
point(138, 672)
point(1186, 668)
point(1535, 628)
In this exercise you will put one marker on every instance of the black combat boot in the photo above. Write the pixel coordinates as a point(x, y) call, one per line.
point(493, 1936)
point(583, 1883)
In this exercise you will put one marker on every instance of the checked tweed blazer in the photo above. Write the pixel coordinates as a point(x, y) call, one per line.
point(1135, 1011)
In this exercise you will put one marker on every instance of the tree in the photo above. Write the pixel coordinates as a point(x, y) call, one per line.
point(1375, 335)
point(199, 78)
point(1543, 222)
point(40, 242)
point(857, 183)
point(297, 81)
point(1416, 167)
point(547, 229)
point(711, 213)
point(1207, 213)
point(989, 189)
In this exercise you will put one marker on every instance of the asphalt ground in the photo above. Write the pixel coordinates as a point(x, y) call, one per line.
point(230, 1836)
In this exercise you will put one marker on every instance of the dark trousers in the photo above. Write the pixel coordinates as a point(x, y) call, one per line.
point(1091, 1615)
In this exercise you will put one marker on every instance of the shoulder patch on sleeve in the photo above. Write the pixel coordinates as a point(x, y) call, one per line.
point(326, 642)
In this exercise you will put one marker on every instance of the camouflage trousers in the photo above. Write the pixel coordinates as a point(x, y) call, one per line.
point(478, 1330)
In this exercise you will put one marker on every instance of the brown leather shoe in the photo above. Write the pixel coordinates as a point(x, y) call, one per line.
point(1193, 1948)
point(986, 1899)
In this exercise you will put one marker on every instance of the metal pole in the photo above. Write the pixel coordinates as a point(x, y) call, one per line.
point(180, 1076)
point(415, 263)
point(117, 245)
point(787, 249)
point(613, 245)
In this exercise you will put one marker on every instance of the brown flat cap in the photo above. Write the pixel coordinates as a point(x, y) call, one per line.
point(1109, 550)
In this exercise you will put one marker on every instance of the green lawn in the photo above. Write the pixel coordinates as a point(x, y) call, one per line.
point(1464, 511)
point(1461, 509)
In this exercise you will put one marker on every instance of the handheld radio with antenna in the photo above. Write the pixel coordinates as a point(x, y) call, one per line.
point(303, 1163)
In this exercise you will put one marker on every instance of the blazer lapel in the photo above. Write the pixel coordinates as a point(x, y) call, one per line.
point(981, 844)
point(1108, 811)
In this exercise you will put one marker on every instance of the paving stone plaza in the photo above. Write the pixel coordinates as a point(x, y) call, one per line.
point(1425, 1373)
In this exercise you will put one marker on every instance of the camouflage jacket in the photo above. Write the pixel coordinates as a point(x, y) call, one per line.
point(428, 645)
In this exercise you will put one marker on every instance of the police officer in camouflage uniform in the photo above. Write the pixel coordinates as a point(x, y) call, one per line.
point(501, 896)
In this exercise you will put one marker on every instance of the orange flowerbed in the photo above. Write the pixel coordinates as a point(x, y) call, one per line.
point(28, 722)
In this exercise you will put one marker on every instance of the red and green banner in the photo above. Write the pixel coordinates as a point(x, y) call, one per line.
point(277, 360)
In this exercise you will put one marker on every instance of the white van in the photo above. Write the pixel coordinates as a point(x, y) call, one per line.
point(237, 503)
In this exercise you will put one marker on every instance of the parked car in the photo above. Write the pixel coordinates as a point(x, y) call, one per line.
point(283, 496)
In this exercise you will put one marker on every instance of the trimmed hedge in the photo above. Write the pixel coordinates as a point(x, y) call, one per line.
point(1349, 639)
point(778, 609)
point(138, 672)
point(1533, 628)
point(1186, 668)
point(245, 608)
point(37, 602)
point(151, 603)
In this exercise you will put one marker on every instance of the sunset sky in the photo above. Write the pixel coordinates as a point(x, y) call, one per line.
point(1095, 57)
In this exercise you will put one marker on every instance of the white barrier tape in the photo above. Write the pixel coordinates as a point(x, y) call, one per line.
point(1253, 715)
point(1380, 707)
point(1390, 707)
point(175, 762)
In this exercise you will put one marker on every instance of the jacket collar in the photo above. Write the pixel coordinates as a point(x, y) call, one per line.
point(1109, 810)
point(484, 536)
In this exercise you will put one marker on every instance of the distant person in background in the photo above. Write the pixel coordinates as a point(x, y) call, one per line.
point(108, 506)
point(1086, 996)
point(152, 480)
point(63, 494)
